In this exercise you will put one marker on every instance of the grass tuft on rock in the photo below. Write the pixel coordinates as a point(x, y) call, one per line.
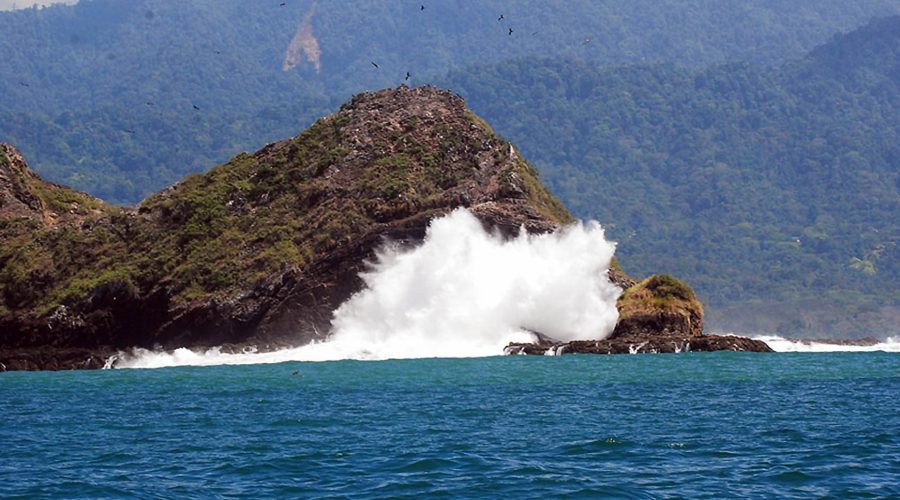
point(657, 294)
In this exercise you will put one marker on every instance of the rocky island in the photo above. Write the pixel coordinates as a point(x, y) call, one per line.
point(259, 251)
point(657, 315)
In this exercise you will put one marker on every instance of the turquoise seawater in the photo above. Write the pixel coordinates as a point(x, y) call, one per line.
point(692, 425)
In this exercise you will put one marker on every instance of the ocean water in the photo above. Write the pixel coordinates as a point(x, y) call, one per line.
point(344, 418)
point(696, 425)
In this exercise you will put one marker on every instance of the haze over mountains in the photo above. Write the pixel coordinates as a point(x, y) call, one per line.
point(710, 136)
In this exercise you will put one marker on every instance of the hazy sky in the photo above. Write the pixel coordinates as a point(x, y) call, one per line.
point(21, 4)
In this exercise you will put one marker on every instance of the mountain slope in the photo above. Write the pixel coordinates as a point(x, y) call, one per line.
point(101, 95)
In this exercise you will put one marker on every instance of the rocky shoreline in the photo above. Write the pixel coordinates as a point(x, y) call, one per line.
point(657, 315)
point(658, 344)
point(53, 359)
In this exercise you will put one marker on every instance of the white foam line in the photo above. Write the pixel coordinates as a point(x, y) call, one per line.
point(780, 344)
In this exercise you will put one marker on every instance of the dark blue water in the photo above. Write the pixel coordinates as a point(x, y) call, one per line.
point(690, 425)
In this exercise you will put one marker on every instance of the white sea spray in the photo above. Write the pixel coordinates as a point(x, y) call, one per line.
point(464, 292)
point(780, 344)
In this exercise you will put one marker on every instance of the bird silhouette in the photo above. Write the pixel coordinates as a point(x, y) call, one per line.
point(283, 4)
point(24, 84)
point(129, 131)
point(510, 31)
point(373, 64)
point(423, 8)
point(196, 107)
point(500, 18)
point(407, 77)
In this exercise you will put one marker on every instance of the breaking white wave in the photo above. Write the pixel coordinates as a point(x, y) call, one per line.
point(143, 358)
point(780, 344)
point(464, 292)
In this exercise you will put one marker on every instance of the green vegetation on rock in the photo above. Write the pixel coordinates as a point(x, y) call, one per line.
point(659, 305)
point(659, 293)
point(234, 244)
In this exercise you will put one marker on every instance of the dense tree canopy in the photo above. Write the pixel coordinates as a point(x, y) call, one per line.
point(101, 95)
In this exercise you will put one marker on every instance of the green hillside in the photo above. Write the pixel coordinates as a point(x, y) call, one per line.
point(101, 95)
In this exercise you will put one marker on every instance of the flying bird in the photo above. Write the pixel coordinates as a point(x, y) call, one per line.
point(373, 64)
point(586, 41)
point(500, 18)
point(283, 4)
point(510, 31)
point(423, 8)
point(129, 131)
point(407, 77)
point(24, 84)
point(196, 107)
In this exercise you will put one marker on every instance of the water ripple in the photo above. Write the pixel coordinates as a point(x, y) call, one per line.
point(695, 425)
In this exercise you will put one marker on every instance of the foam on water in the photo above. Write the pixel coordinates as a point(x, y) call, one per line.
point(780, 344)
point(464, 292)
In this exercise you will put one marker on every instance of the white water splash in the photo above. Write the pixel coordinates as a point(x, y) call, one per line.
point(463, 293)
point(780, 344)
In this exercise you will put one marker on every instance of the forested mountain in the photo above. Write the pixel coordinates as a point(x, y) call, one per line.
point(708, 137)
point(101, 95)
point(770, 184)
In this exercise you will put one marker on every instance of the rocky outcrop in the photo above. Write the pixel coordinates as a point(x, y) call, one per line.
point(52, 358)
point(619, 278)
point(657, 315)
point(659, 306)
point(26, 197)
point(256, 251)
point(17, 198)
point(645, 344)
